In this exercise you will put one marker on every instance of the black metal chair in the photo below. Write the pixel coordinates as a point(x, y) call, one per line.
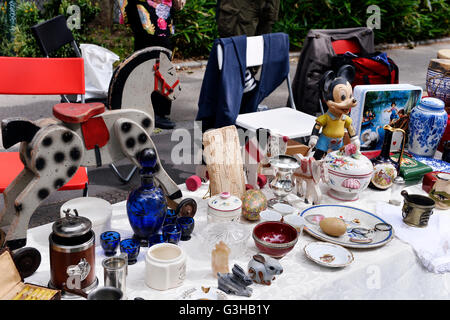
point(53, 34)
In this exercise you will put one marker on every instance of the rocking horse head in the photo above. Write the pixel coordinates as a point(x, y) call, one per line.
point(166, 79)
point(138, 76)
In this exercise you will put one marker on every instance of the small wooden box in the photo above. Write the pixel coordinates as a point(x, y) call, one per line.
point(11, 283)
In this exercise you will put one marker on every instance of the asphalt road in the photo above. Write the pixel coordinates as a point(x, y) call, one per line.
point(103, 183)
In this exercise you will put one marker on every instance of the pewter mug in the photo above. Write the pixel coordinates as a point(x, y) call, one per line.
point(417, 209)
point(115, 270)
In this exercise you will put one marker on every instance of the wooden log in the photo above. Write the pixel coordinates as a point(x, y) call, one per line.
point(222, 154)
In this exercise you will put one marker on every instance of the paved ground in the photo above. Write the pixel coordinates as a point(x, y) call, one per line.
point(412, 63)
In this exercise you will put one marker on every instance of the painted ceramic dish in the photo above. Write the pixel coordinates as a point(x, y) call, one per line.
point(328, 254)
point(275, 238)
point(354, 218)
point(224, 207)
point(202, 293)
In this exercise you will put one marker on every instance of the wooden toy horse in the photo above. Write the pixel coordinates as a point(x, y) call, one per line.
point(87, 135)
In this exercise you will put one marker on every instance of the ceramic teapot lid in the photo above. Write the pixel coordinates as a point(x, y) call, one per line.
point(225, 202)
point(71, 225)
point(349, 163)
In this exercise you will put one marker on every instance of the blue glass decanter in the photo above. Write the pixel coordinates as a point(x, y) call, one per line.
point(146, 206)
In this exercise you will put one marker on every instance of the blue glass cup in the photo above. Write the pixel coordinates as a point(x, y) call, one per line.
point(187, 226)
point(131, 247)
point(109, 240)
point(155, 239)
point(172, 233)
point(171, 217)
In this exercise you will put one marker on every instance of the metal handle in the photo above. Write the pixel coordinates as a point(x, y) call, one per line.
point(400, 157)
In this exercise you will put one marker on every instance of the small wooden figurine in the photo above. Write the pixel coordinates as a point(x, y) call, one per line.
point(219, 259)
point(337, 92)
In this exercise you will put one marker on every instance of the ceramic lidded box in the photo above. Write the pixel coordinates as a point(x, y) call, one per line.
point(253, 202)
point(224, 207)
point(349, 173)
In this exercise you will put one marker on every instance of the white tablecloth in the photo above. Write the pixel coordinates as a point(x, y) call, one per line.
point(389, 272)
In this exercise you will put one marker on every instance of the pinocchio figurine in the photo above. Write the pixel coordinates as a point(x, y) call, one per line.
point(338, 94)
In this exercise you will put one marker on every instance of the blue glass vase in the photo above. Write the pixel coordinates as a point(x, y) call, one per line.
point(146, 206)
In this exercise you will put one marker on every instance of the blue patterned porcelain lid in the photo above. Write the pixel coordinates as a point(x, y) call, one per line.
point(432, 103)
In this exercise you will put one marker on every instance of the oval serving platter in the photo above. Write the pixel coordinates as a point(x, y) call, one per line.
point(354, 218)
point(328, 254)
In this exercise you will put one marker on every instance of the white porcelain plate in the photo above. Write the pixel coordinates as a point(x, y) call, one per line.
point(328, 254)
point(197, 293)
point(353, 218)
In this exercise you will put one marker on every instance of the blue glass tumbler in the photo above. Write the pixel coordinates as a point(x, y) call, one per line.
point(187, 226)
point(131, 247)
point(172, 233)
point(109, 240)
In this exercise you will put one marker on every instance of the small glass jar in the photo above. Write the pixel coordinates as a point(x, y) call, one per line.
point(396, 198)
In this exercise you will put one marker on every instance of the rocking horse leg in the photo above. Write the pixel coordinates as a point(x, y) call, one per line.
point(134, 141)
point(9, 214)
point(51, 159)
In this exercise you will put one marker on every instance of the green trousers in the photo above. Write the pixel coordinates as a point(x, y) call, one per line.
point(249, 17)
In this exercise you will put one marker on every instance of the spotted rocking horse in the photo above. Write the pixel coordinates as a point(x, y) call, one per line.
point(88, 135)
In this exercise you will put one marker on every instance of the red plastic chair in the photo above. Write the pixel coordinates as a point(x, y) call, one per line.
point(40, 76)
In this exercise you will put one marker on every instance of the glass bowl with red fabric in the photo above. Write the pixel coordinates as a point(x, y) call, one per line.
point(275, 238)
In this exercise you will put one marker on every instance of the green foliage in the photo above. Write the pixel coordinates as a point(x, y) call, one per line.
point(401, 20)
point(195, 28)
point(24, 44)
point(27, 15)
point(3, 26)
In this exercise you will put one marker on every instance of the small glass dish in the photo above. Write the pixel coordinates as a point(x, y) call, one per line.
point(235, 235)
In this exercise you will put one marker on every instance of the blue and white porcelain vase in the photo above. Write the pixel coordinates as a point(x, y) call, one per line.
point(146, 206)
point(426, 127)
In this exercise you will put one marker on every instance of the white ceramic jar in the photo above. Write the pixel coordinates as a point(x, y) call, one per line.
point(349, 174)
point(165, 266)
point(97, 210)
point(224, 207)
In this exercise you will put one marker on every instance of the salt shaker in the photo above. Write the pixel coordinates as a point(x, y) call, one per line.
point(396, 198)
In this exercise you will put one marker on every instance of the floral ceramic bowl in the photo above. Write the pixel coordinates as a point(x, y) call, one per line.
point(349, 173)
point(275, 238)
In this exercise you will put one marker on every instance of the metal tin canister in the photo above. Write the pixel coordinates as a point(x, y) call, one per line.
point(72, 254)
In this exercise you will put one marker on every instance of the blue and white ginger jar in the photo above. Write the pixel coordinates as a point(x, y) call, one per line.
point(426, 127)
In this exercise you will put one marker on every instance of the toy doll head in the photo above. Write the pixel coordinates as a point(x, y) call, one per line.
point(337, 91)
